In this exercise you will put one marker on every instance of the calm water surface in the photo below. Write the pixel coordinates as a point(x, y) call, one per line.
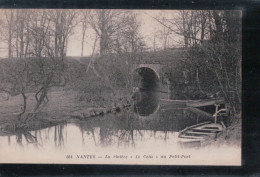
point(141, 126)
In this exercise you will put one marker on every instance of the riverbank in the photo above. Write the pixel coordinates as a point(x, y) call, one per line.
point(232, 134)
point(62, 106)
point(65, 105)
point(230, 137)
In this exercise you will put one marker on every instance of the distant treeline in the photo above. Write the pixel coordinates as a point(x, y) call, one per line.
point(209, 61)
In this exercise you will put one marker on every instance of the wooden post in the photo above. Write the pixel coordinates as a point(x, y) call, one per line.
point(171, 94)
point(227, 107)
point(216, 115)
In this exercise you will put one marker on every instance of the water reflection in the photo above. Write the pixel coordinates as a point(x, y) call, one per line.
point(147, 103)
point(126, 129)
point(25, 138)
point(146, 88)
point(58, 136)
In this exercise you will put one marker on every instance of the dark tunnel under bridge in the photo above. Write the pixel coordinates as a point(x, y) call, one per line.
point(146, 79)
point(146, 82)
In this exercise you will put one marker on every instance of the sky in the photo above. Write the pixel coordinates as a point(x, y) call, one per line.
point(149, 27)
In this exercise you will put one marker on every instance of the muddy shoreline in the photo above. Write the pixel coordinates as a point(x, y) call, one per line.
point(63, 105)
point(10, 124)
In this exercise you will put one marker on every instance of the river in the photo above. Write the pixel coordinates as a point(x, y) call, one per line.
point(145, 123)
point(146, 133)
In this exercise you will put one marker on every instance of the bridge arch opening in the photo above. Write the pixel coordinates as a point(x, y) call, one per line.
point(146, 79)
point(146, 85)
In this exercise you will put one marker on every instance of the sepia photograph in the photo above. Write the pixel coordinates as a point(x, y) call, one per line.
point(112, 86)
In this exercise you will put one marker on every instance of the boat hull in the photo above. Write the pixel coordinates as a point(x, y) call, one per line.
point(200, 132)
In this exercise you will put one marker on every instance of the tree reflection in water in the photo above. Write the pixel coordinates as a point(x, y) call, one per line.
point(124, 129)
point(30, 139)
point(58, 136)
point(147, 104)
point(88, 132)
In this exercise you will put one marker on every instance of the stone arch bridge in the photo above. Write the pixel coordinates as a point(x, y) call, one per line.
point(149, 77)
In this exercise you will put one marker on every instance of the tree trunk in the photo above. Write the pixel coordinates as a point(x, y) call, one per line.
point(203, 22)
point(184, 30)
point(56, 39)
point(198, 80)
point(83, 38)
point(21, 40)
point(10, 35)
point(17, 45)
point(24, 105)
point(10, 43)
point(41, 99)
point(102, 45)
point(218, 24)
point(171, 90)
point(27, 41)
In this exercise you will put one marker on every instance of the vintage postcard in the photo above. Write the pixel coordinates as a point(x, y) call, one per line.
point(142, 87)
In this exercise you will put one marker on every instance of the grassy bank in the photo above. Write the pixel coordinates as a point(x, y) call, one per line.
point(61, 105)
point(231, 136)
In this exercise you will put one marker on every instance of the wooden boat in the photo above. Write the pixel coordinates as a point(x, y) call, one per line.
point(206, 102)
point(190, 103)
point(201, 132)
point(171, 104)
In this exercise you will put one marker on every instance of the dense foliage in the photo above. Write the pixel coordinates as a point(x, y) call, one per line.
point(208, 63)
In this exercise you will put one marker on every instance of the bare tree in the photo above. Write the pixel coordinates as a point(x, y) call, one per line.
point(165, 34)
point(43, 36)
point(106, 23)
point(212, 41)
point(131, 36)
point(15, 32)
point(84, 15)
point(52, 68)
point(8, 25)
point(190, 25)
point(64, 21)
point(131, 43)
point(13, 80)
